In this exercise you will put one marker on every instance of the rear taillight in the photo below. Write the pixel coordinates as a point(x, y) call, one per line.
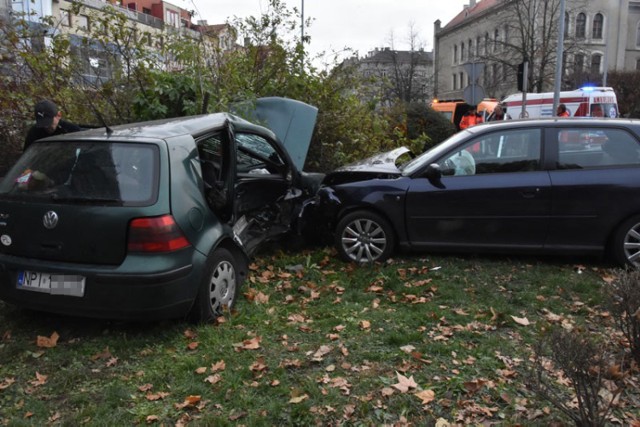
point(157, 234)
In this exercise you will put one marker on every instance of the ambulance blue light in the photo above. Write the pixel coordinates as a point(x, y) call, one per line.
point(588, 88)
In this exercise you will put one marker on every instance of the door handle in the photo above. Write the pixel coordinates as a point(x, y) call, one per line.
point(530, 194)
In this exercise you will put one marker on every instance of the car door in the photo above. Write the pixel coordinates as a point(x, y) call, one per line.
point(494, 193)
point(263, 194)
point(594, 183)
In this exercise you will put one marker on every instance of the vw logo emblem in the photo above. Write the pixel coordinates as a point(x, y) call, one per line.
point(50, 220)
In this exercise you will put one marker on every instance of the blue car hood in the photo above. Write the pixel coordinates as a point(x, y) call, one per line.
point(292, 121)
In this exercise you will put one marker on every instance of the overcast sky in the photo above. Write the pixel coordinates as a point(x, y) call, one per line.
point(361, 25)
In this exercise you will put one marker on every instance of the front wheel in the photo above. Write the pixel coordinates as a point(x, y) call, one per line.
point(626, 243)
point(364, 237)
point(219, 287)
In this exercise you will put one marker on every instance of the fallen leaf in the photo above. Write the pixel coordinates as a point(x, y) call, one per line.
point(213, 379)
point(404, 383)
point(189, 401)
point(407, 348)
point(156, 396)
point(145, 387)
point(251, 344)
point(299, 399)
point(105, 354)
point(521, 320)
point(48, 342)
point(427, 396)
point(218, 366)
point(6, 383)
point(193, 345)
point(387, 391)
point(321, 352)
point(365, 324)
point(40, 380)
point(152, 419)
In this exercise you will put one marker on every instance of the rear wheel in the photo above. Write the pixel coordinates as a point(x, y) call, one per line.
point(626, 243)
point(363, 237)
point(219, 287)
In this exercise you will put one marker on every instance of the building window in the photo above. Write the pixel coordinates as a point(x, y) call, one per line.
point(506, 34)
point(496, 40)
point(461, 80)
point(172, 19)
point(455, 53)
point(479, 44)
point(462, 52)
point(83, 22)
point(638, 64)
point(486, 43)
point(581, 25)
point(638, 35)
point(454, 81)
point(596, 60)
point(579, 62)
point(598, 24)
point(470, 49)
point(566, 25)
point(65, 18)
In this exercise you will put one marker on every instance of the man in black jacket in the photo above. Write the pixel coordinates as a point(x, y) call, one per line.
point(49, 122)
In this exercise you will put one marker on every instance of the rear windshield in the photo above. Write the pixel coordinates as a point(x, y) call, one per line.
point(86, 172)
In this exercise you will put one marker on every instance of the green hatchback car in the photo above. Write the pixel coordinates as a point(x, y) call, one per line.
point(151, 220)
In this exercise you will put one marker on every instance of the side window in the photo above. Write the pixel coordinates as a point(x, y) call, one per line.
point(498, 152)
point(589, 148)
point(256, 155)
point(210, 150)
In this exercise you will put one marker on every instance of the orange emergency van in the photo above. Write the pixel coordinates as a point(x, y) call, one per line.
point(454, 109)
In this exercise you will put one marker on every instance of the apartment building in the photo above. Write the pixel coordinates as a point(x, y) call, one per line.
point(483, 45)
point(396, 75)
point(148, 22)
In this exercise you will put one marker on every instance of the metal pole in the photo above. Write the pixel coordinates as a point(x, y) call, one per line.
point(525, 88)
point(559, 61)
point(302, 24)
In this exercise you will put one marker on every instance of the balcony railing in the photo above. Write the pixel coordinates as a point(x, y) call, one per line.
point(143, 18)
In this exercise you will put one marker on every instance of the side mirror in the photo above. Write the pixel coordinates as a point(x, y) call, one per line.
point(434, 175)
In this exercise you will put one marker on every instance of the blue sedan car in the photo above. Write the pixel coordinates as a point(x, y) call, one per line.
point(531, 186)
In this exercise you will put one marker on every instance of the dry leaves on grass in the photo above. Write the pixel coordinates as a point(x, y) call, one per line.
point(48, 342)
point(250, 344)
point(405, 384)
point(6, 383)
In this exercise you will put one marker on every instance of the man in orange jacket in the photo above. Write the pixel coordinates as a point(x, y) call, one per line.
point(471, 118)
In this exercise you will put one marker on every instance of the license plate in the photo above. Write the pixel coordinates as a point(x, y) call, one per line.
point(54, 284)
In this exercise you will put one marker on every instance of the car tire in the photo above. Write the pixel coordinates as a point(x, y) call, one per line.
point(218, 289)
point(364, 237)
point(626, 243)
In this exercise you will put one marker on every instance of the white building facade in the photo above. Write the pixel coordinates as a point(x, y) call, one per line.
point(485, 39)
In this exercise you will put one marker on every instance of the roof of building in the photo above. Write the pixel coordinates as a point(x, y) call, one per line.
point(400, 56)
point(470, 12)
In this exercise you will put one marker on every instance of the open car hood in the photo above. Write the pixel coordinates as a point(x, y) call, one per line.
point(292, 121)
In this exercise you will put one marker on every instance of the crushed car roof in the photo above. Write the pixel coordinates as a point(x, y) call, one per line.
point(167, 128)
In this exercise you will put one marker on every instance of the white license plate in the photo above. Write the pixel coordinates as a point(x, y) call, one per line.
point(54, 284)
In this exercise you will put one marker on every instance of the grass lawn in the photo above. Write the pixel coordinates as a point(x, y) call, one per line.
point(419, 340)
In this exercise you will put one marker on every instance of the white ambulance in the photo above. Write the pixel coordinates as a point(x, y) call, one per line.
point(584, 102)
